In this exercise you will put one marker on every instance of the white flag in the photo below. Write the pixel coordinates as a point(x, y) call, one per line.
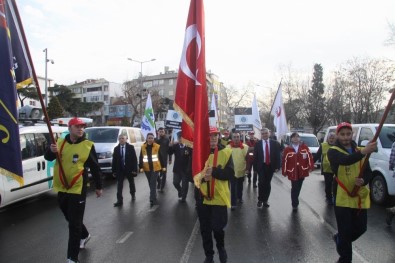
point(213, 120)
point(255, 115)
point(148, 123)
point(278, 112)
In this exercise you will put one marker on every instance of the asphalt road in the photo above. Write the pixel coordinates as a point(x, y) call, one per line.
point(35, 230)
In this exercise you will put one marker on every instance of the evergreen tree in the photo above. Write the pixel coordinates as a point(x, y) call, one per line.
point(316, 111)
point(54, 109)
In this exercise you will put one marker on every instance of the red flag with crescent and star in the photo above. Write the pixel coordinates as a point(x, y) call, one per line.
point(191, 95)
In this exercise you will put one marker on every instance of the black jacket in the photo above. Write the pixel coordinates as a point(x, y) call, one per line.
point(182, 158)
point(164, 148)
point(274, 155)
point(130, 159)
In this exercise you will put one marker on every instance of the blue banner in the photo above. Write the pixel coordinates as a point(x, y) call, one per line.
point(10, 149)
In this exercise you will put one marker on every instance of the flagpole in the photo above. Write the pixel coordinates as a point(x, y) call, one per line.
point(39, 92)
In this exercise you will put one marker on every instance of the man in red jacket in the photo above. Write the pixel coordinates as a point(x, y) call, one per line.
point(297, 162)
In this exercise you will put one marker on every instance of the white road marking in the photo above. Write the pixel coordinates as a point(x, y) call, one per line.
point(124, 237)
point(190, 244)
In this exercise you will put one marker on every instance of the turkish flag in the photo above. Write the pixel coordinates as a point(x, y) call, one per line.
point(191, 94)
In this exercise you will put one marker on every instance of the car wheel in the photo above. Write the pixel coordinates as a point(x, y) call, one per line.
point(378, 189)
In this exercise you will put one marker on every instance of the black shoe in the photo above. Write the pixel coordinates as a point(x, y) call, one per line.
point(152, 203)
point(118, 204)
point(241, 201)
point(259, 204)
point(233, 208)
point(255, 186)
point(182, 200)
point(389, 217)
point(133, 197)
point(209, 259)
point(223, 257)
point(294, 209)
point(330, 201)
point(266, 204)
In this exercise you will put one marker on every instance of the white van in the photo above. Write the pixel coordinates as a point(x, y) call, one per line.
point(383, 183)
point(34, 141)
point(106, 138)
point(307, 138)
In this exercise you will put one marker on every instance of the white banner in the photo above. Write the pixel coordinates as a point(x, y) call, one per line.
point(148, 123)
point(278, 112)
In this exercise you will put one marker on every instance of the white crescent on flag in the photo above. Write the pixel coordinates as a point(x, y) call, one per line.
point(191, 33)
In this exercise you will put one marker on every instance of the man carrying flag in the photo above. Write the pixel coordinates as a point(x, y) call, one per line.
point(191, 101)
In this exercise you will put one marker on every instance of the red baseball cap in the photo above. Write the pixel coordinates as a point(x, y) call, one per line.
point(76, 121)
point(214, 130)
point(343, 125)
point(251, 133)
point(226, 132)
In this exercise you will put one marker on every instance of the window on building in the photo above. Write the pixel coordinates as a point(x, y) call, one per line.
point(171, 81)
point(106, 88)
point(105, 97)
point(171, 92)
point(161, 81)
point(155, 83)
point(93, 89)
point(147, 84)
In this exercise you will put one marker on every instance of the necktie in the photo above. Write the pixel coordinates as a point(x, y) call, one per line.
point(267, 154)
point(122, 156)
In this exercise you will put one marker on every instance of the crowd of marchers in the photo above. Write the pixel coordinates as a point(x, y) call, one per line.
point(233, 158)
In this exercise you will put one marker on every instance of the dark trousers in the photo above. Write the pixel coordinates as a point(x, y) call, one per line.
point(181, 178)
point(328, 185)
point(152, 177)
point(295, 191)
point(73, 208)
point(236, 189)
point(264, 183)
point(213, 219)
point(120, 178)
point(351, 224)
point(161, 179)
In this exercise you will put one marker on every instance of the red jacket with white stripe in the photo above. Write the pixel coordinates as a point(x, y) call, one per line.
point(297, 165)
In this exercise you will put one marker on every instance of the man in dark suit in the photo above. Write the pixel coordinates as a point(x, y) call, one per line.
point(266, 161)
point(124, 164)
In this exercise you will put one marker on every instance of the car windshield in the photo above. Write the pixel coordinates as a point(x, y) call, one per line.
point(309, 141)
point(387, 136)
point(102, 135)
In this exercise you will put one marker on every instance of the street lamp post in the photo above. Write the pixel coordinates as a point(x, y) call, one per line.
point(46, 75)
point(141, 83)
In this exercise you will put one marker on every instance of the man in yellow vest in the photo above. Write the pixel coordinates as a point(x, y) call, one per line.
point(151, 163)
point(351, 212)
point(76, 155)
point(239, 155)
point(214, 190)
point(326, 170)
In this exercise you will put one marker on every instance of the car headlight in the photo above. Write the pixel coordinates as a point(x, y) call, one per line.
point(104, 155)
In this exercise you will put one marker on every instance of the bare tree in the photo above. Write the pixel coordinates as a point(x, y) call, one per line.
point(365, 83)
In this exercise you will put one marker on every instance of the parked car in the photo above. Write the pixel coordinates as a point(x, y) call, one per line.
point(106, 138)
point(383, 182)
point(307, 138)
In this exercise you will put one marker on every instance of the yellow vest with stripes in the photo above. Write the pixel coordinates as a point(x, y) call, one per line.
point(346, 174)
point(221, 188)
point(73, 168)
point(155, 157)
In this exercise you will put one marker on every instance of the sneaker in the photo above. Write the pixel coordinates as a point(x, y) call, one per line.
point(223, 257)
point(390, 216)
point(84, 241)
point(335, 238)
point(209, 259)
point(259, 204)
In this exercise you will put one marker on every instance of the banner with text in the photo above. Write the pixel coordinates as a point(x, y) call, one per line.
point(243, 119)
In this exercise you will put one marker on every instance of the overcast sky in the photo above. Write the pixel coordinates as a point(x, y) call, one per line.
point(246, 41)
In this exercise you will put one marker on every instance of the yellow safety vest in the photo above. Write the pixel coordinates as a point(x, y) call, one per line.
point(155, 157)
point(346, 175)
point(239, 159)
point(221, 195)
point(326, 166)
point(72, 166)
